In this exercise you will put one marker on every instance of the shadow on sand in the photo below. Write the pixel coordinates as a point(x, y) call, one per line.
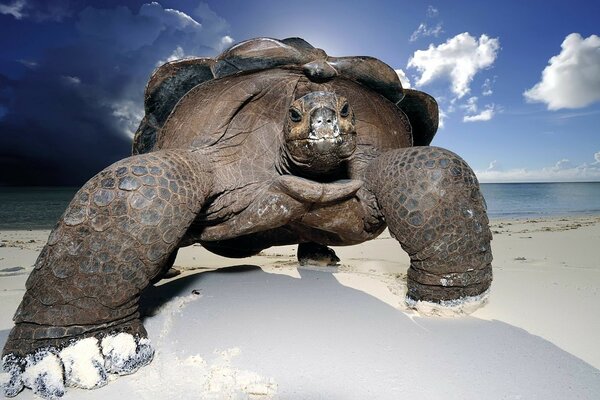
point(320, 340)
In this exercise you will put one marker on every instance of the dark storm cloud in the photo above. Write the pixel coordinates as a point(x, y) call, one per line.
point(39, 10)
point(76, 111)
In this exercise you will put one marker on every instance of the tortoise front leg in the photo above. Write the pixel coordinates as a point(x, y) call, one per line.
point(432, 205)
point(114, 238)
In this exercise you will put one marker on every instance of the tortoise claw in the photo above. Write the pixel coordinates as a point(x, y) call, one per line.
point(85, 363)
point(12, 382)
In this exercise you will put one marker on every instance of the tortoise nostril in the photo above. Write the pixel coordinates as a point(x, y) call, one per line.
point(329, 121)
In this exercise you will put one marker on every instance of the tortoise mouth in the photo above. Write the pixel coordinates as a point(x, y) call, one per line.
point(321, 155)
point(341, 145)
point(334, 136)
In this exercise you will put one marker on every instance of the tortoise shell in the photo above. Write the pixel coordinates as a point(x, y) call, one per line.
point(170, 83)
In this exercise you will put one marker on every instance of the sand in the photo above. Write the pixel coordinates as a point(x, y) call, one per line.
point(262, 328)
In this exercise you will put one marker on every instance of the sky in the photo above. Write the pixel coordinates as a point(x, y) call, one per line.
point(517, 82)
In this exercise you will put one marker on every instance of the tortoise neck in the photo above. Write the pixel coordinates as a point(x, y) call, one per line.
point(286, 165)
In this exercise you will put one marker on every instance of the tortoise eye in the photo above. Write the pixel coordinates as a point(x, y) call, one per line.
point(295, 115)
point(345, 110)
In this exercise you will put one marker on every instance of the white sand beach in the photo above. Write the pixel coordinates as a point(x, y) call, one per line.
point(263, 328)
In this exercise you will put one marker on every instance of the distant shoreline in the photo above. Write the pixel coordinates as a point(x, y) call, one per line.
point(39, 207)
point(481, 183)
point(533, 183)
point(545, 217)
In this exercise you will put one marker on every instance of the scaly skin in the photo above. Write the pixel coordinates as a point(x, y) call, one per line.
point(113, 239)
point(432, 205)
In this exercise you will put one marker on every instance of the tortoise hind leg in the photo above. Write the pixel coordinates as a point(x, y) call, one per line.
point(112, 241)
point(432, 205)
point(311, 253)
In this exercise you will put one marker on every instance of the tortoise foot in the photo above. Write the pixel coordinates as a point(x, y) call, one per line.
point(449, 294)
point(48, 366)
point(316, 254)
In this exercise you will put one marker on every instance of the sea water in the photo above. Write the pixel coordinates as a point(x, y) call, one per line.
point(530, 200)
point(33, 207)
point(40, 207)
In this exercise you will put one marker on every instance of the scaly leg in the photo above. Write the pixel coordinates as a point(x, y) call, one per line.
point(432, 205)
point(80, 309)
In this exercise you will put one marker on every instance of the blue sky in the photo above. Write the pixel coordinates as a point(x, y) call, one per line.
point(518, 83)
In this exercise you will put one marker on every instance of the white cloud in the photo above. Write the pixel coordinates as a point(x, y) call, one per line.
point(471, 105)
point(432, 11)
point(494, 166)
point(451, 103)
point(425, 30)
point(486, 88)
point(169, 16)
point(226, 41)
point(404, 80)
point(211, 22)
point(441, 118)
point(127, 114)
point(15, 9)
point(459, 59)
point(177, 54)
point(37, 10)
point(562, 171)
point(562, 165)
point(484, 115)
point(29, 64)
point(569, 115)
point(71, 80)
point(572, 78)
point(472, 113)
point(181, 16)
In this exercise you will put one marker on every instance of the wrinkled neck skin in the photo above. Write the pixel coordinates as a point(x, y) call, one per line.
point(286, 165)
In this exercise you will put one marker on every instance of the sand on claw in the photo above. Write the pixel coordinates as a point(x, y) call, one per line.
point(44, 374)
point(124, 355)
point(10, 376)
point(85, 363)
point(449, 308)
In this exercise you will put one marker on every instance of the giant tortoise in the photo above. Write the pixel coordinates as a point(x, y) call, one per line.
point(271, 143)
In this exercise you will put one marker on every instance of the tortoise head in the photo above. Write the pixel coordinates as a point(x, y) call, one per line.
point(319, 132)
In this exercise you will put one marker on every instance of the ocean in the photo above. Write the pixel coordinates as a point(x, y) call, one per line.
point(530, 200)
point(40, 207)
point(33, 207)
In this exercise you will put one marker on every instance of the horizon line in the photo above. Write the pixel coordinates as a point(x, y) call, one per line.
point(480, 182)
